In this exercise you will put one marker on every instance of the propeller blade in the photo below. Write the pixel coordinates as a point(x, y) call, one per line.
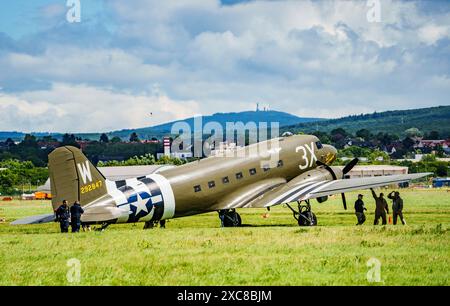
point(350, 165)
point(344, 200)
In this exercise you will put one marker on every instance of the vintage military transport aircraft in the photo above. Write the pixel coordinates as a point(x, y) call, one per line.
point(298, 169)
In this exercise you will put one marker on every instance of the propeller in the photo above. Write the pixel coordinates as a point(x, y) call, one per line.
point(348, 167)
point(344, 201)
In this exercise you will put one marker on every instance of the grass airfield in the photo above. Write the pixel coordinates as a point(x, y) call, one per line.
point(265, 251)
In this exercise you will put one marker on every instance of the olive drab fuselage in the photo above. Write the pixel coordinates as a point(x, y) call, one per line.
point(198, 186)
point(201, 186)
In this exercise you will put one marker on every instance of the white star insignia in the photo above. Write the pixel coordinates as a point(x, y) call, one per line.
point(140, 205)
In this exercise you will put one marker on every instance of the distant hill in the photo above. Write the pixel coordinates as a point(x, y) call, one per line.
point(161, 130)
point(393, 122)
point(285, 119)
point(18, 136)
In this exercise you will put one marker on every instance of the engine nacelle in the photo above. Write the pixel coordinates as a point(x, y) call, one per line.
point(317, 174)
point(322, 199)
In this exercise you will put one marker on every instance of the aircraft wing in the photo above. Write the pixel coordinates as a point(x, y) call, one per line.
point(301, 191)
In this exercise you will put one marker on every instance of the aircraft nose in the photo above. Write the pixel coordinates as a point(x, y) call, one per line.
point(329, 154)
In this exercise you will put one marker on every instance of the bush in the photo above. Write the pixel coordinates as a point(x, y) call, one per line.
point(147, 159)
point(18, 173)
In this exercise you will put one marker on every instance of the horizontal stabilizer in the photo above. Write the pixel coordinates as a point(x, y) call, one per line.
point(35, 220)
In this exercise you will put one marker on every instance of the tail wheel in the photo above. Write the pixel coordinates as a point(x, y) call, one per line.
point(307, 218)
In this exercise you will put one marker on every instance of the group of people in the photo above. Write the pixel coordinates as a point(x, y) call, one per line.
point(381, 208)
point(69, 216)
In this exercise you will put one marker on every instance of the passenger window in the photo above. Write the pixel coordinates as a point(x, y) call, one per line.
point(280, 164)
point(319, 145)
point(197, 188)
point(239, 175)
point(252, 171)
point(211, 184)
point(266, 168)
point(225, 180)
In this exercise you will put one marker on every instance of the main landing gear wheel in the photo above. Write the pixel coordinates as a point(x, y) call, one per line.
point(103, 227)
point(230, 218)
point(304, 215)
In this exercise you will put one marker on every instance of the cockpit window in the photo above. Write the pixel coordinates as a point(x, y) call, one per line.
point(319, 145)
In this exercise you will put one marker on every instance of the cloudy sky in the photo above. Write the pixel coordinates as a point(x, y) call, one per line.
point(125, 59)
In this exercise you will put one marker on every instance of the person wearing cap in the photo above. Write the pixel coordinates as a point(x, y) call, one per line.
point(359, 210)
point(397, 206)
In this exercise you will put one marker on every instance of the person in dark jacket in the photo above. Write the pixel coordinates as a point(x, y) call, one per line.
point(381, 208)
point(63, 216)
point(359, 210)
point(75, 212)
point(397, 206)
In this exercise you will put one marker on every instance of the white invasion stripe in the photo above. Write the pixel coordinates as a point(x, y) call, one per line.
point(115, 193)
point(119, 198)
point(316, 190)
point(294, 197)
point(138, 186)
point(156, 199)
point(167, 193)
point(275, 201)
point(132, 182)
point(126, 213)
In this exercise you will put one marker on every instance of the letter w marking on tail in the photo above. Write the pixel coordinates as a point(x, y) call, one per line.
point(85, 172)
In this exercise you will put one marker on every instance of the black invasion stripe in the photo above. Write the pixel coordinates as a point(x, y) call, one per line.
point(120, 183)
point(127, 191)
point(159, 211)
point(155, 190)
point(147, 181)
point(152, 186)
point(305, 191)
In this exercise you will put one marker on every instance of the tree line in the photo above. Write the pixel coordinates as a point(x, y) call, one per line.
point(25, 163)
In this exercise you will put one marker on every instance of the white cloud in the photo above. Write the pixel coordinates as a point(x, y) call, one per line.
point(431, 33)
point(310, 58)
point(78, 65)
point(86, 109)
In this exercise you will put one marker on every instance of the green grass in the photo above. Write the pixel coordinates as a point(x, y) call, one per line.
point(266, 251)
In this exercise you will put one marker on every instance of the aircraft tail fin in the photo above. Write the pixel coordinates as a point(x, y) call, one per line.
point(74, 178)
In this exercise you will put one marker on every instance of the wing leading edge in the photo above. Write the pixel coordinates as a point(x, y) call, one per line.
point(316, 189)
